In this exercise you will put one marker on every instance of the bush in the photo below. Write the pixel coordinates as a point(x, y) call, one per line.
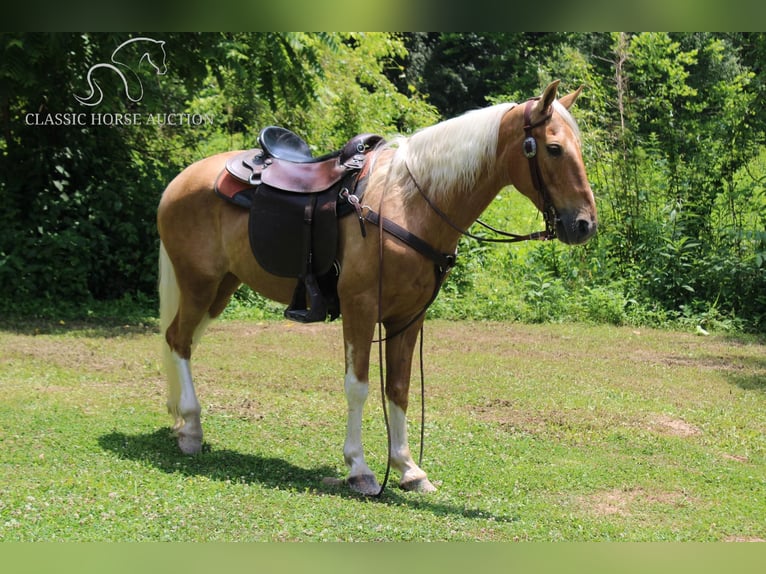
point(605, 304)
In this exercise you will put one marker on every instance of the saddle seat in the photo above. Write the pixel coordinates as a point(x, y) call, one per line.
point(283, 144)
point(285, 161)
point(294, 200)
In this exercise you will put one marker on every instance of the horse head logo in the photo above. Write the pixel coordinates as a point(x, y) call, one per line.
point(125, 62)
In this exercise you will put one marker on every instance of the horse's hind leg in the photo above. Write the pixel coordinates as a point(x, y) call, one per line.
point(184, 406)
point(184, 314)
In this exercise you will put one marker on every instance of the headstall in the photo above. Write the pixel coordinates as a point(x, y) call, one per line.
point(530, 152)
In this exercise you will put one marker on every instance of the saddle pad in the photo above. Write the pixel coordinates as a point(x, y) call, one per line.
point(233, 190)
point(293, 234)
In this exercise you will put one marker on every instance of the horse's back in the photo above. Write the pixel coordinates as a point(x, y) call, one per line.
point(193, 182)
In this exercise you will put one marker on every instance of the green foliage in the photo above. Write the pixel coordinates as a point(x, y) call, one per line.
point(79, 201)
point(673, 128)
point(357, 96)
point(461, 71)
point(679, 182)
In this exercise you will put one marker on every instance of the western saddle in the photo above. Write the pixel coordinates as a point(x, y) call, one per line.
point(295, 200)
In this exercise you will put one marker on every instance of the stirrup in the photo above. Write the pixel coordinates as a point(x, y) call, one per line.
point(297, 310)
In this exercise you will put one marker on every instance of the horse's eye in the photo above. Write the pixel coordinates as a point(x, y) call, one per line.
point(555, 150)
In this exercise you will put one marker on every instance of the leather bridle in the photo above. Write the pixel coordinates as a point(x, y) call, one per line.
point(550, 216)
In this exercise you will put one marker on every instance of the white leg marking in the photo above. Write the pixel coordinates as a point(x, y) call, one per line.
point(353, 452)
point(413, 477)
point(360, 477)
point(190, 431)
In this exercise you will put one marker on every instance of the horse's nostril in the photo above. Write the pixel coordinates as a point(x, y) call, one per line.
point(584, 226)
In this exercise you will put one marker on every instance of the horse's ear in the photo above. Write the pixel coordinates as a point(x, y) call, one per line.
point(569, 99)
point(548, 96)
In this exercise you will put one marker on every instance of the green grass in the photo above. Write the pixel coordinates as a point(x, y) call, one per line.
point(564, 432)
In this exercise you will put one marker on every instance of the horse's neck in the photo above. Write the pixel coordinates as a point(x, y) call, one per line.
point(457, 164)
point(436, 218)
point(464, 202)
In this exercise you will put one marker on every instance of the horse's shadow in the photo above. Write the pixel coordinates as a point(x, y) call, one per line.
point(158, 449)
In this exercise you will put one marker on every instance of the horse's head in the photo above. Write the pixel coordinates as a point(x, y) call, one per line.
point(542, 148)
point(157, 57)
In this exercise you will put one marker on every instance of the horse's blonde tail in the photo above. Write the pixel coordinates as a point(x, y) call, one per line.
point(170, 297)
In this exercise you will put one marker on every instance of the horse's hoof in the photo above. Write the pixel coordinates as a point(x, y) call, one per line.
point(418, 485)
point(189, 444)
point(365, 484)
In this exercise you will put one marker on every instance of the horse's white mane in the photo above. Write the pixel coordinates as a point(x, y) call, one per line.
point(449, 155)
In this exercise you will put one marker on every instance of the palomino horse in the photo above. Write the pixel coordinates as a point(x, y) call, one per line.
point(448, 173)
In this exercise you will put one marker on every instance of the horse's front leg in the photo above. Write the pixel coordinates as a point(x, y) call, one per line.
point(399, 352)
point(356, 384)
point(360, 477)
point(357, 334)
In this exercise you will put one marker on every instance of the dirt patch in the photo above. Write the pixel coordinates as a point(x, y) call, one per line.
point(623, 502)
point(245, 409)
point(578, 424)
point(516, 418)
point(513, 419)
point(744, 539)
point(735, 457)
point(710, 358)
point(672, 426)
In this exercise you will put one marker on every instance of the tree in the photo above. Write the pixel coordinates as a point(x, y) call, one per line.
point(79, 199)
point(459, 71)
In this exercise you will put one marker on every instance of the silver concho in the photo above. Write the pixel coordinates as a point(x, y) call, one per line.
point(530, 147)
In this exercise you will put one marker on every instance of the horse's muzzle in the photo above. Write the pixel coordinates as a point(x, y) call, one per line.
point(576, 228)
